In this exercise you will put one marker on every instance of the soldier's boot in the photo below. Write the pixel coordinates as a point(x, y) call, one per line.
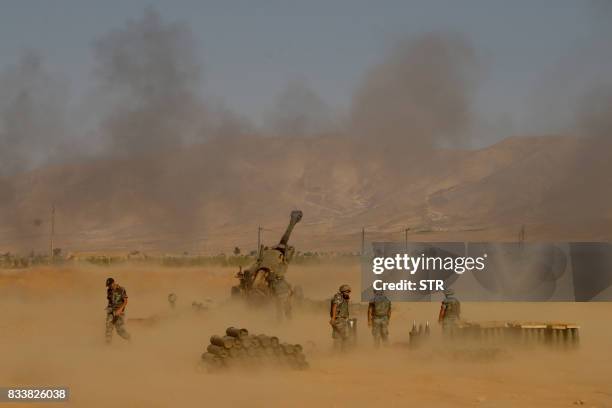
point(119, 325)
point(123, 333)
point(345, 345)
point(385, 340)
point(338, 345)
point(384, 334)
point(376, 334)
point(376, 341)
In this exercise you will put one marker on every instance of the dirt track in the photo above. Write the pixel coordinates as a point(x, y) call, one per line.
point(53, 334)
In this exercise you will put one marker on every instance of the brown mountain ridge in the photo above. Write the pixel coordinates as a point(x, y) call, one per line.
point(212, 197)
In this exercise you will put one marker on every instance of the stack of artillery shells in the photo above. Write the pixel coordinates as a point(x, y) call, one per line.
point(239, 348)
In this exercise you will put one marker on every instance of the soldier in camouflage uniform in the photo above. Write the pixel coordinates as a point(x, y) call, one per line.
point(282, 292)
point(450, 311)
point(117, 301)
point(339, 313)
point(379, 314)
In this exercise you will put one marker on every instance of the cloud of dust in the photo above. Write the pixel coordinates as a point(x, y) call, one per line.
point(419, 97)
point(33, 105)
point(150, 72)
point(53, 334)
point(300, 111)
point(579, 90)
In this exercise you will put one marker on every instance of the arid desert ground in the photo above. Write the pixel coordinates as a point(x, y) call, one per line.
point(53, 334)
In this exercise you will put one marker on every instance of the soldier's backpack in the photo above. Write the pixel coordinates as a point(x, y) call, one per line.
point(331, 306)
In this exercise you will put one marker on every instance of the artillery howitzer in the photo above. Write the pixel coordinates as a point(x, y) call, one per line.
point(258, 281)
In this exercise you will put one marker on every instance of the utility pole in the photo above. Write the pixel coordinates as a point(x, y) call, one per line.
point(521, 237)
point(51, 243)
point(362, 241)
point(259, 229)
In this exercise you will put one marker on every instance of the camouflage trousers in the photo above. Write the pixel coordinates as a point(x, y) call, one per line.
point(380, 330)
point(117, 322)
point(340, 333)
point(449, 327)
point(283, 308)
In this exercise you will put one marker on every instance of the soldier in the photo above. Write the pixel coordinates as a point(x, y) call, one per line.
point(379, 314)
point(282, 292)
point(117, 301)
point(450, 310)
point(339, 313)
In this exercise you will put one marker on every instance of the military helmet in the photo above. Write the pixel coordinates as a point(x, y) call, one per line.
point(344, 288)
point(109, 281)
point(449, 292)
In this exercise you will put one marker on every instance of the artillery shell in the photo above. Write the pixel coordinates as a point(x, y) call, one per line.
point(245, 342)
point(208, 357)
point(287, 348)
point(252, 341)
point(217, 350)
point(264, 340)
point(211, 360)
point(236, 332)
point(225, 342)
point(230, 340)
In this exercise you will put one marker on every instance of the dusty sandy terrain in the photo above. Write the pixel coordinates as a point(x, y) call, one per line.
point(53, 334)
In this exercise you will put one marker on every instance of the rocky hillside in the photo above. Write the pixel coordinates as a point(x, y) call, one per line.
point(211, 197)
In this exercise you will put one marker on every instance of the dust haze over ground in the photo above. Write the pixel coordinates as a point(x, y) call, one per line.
point(54, 334)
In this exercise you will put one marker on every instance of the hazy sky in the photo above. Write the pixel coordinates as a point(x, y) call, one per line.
point(252, 49)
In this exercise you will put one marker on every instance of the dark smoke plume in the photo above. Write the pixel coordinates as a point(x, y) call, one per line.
point(419, 96)
point(149, 77)
point(576, 100)
point(32, 115)
point(151, 71)
point(594, 113)
point(299, 111)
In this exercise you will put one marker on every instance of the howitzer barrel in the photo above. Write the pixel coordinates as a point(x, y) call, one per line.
point(296, 216)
